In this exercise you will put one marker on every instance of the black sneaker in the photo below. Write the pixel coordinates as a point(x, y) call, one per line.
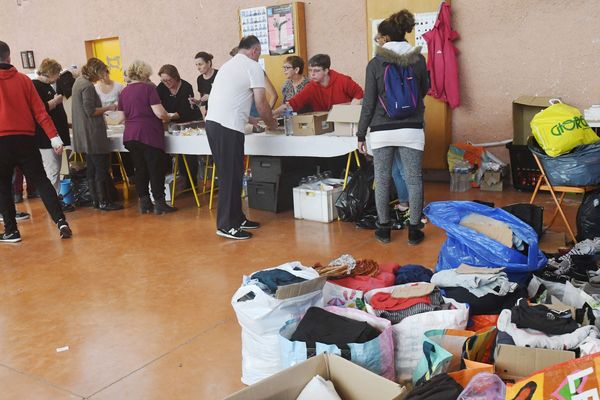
point(233, 233)
point(19, 216)
point(247, 224)
point(12, 237)
point(63, 229)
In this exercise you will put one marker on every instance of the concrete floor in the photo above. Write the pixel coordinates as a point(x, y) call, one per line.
point(143, 301)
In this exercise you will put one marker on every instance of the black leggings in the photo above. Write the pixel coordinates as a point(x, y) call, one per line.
point(149, 165)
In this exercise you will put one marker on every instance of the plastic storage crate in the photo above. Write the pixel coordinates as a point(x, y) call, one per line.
point(524, 170)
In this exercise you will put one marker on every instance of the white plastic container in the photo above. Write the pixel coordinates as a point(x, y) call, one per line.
point(316, 205)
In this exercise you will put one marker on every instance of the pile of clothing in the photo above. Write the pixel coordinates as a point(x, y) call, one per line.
point(407, 300)
point(412, 273)
point(346, 266)
point(486, 290)
point(544, 326)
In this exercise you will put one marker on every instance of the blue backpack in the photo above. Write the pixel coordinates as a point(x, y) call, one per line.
point(401, 92)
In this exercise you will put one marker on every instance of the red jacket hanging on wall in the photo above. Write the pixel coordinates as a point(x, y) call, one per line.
point(442, 59)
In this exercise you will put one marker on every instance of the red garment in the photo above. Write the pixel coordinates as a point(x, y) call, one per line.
point(20, 103)
point(366, 283)
point(389, 267)
point(385, 301)
point(442, 62)
point(340, 89)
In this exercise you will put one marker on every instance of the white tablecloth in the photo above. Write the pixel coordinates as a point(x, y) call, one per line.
point(259, 144)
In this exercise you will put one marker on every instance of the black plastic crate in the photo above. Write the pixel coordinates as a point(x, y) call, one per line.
point(273, 196)
point(524, 170)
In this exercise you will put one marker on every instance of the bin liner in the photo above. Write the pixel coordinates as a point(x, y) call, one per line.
point(467, 246)
point(579, 167)
point(261, 316)
point(358, 198)
point(588, 216)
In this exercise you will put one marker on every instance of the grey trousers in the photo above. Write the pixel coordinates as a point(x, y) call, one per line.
point(412, 159)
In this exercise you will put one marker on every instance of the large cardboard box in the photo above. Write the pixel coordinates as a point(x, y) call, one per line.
point(311, 124)
point(351, 382)
point(524, 108)
point(515, 363)
point(345, 117)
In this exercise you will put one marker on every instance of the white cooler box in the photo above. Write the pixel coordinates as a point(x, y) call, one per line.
point(317, 205)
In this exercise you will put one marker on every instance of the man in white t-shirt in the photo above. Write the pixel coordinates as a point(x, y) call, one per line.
point(239, 81)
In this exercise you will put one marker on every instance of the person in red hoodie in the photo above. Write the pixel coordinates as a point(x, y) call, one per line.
point(326, 88)
point(20, 107)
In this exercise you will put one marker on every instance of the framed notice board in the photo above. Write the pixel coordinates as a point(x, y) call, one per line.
point(284, 31)
point(438, 116)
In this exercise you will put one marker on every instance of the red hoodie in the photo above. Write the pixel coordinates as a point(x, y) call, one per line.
point(341, 89)
point(20, 104)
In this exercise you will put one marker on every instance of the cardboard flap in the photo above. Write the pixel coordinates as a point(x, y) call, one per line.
point(344, 113)
point(513, 362)
point(534, 101)
point(353, 382)
point(287, 384)
point(298, 289)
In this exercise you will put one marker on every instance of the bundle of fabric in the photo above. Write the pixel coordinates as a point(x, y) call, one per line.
point(486, 290)
point(574, 265)
point(412, 273)
point(271, 279)
point(365, 283)
point(346, 266)
point(406, 301)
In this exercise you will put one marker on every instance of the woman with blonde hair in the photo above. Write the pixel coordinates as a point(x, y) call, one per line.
point(48, 73)
point(89, 132)
point(141, 108)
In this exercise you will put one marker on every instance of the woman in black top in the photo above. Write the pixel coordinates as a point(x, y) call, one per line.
point(176, 95)
point(206, 78)
point(48, 73)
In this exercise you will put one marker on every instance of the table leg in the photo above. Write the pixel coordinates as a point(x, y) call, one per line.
point(348, 163)
point(189, 173)
point(212, 186)
point(175, 165)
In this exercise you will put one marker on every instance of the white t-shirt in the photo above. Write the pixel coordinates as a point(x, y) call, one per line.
point(110, 97)
point(231, 95)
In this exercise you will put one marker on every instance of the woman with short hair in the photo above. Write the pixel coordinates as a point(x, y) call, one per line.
point(293, 69)
point(89, 132)
point(140, 107)
point(48, 73)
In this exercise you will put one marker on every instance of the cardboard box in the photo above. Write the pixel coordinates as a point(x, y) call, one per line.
point(345, 117)
point(515, 363)
point(351, 382)
point(524, 108)
point(317, 205)
point(311, 124)
point(491, 181)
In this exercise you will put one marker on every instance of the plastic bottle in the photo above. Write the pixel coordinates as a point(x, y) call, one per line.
point(287, 122)
point(245, 179)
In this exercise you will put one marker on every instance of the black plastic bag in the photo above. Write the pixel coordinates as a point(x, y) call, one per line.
point(358, 198)
point(588, 216)
point(531, 214)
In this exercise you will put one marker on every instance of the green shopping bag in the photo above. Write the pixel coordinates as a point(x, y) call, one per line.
point(442, 352)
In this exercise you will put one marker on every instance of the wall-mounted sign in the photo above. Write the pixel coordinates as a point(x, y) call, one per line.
point(27, 59)
point(281, 30)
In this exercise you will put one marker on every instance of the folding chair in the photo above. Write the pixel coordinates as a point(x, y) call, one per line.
point(544, 184)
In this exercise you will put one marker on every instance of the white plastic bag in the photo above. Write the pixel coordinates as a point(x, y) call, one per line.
point(408, 333)
point(261, 318)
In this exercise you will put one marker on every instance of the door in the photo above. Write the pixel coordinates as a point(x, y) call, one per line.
point(109, 51)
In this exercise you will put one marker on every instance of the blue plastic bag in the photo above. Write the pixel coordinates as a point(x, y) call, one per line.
point(464, 245)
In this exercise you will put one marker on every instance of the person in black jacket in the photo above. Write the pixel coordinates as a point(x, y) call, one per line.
point(48, 73)
point(389, 136)
point(175, 95)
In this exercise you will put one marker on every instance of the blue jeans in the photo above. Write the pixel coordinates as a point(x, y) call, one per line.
point(398, 177)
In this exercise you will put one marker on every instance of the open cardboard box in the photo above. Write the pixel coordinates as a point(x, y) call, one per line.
point(345, 117)
point(524, 108)
point(515, 363)
point(351, 382)
point(311, 124)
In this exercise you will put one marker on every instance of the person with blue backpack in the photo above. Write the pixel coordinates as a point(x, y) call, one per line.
point(393, 108)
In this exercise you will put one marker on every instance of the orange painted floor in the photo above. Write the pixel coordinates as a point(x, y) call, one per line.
point(143, 301)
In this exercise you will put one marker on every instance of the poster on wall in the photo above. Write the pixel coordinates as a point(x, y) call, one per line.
point(281, 30)
point(253, 21)
point(424, 22)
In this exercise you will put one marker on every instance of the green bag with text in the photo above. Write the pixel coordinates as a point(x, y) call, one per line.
point(560, 128)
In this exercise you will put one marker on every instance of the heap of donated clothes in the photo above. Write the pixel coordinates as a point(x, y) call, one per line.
point(492, 287)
